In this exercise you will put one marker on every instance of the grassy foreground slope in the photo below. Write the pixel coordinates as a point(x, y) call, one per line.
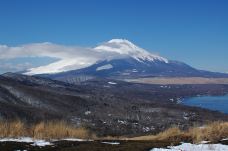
point(212, 132)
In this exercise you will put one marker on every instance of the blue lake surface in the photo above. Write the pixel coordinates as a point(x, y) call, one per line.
point(217, 103)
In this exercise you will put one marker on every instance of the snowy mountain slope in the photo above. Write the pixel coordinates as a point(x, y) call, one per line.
point(119, 58)
point(131, 68)
point(113, 49)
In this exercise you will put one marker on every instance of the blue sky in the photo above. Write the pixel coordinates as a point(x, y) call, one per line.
point(192, 31)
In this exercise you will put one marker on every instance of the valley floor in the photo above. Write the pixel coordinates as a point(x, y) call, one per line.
point(179, 80)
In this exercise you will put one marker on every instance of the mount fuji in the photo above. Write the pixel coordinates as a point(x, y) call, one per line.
point(120, 58)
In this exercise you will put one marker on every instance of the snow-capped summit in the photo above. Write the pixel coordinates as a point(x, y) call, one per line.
point(125, 47)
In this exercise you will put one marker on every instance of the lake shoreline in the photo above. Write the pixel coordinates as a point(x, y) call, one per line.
point(211, 102)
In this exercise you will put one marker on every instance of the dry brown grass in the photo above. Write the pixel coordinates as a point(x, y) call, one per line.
point(212, 132)
point(43, 130)
point(172, 135)
point(59, 129)
point(12, 129)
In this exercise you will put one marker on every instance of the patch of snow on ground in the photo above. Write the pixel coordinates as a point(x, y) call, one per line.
point(21, 139)
point(111, 143)
point(146, 129)
point(75, 140)
point(27, 140)
point(204, 142)
point(113, 83)
point(194, 147)
point(122, 122)
point(41, 143)
point(171, 100)
point(164, 86)
point(186, 116)
point(87, 112)
point(35, 142)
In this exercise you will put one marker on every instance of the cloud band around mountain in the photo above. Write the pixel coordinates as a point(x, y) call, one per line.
point(70, 57)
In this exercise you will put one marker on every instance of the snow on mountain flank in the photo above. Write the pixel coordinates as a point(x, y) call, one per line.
point(104, 67)
point(125, 47)
point(112, 83)
point(61, 66)
point(73, 58)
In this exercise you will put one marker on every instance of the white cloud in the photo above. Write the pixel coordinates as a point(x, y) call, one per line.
point(70, 57)
point(10, 67)
point(43, 50)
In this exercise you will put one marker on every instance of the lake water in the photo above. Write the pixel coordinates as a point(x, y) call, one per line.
point(217, 103)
